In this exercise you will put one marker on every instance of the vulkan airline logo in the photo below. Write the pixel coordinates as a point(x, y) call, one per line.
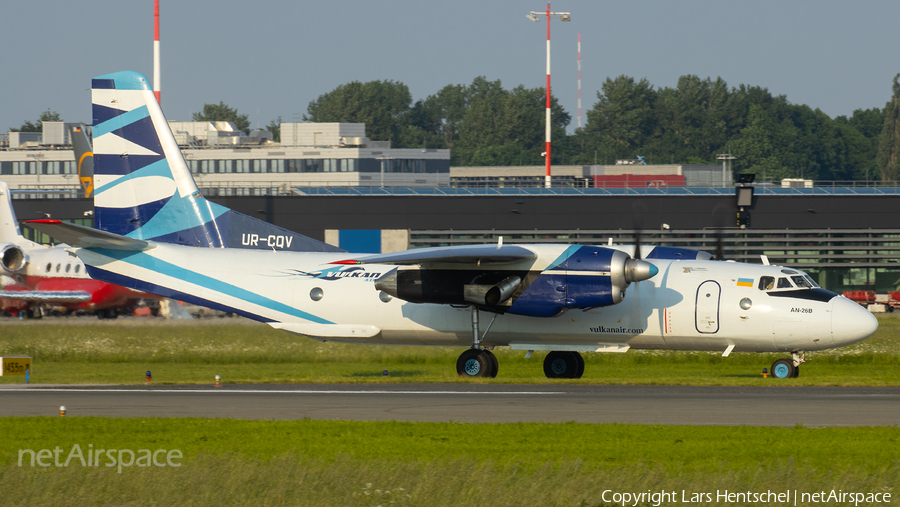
point(339, 273)
point(271, 241)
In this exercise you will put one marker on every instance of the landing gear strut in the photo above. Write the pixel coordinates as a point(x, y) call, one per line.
point(107, 313)
point(477, 361)
point(34, 312)
point(788, 368)
point(563, 364)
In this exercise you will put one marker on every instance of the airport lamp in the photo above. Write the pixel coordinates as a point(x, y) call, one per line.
point(563, 16)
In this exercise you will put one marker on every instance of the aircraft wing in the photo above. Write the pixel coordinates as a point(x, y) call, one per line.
point(86, 237)
point(463, 254)
point(35, 296)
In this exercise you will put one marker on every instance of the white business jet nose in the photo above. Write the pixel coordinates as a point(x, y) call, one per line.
point(851, 323)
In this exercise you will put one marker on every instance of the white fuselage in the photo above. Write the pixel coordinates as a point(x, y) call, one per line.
point(688, 305)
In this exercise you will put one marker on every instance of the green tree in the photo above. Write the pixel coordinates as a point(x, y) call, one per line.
point(889, 143)
point(274, 127)
point(47, 115)
point(381, 105)
point(757, 150)
point(421, 127)
point(695, 119)
point(622, 120)
point(867, 121)
point(506, 127)
point(221, 112)
point(861, 133)
point(444, 112)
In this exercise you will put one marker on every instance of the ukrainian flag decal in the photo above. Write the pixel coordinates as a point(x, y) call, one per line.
point(745, 282)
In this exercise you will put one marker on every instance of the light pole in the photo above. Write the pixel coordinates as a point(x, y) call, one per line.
point(563, 16)
point(726, 158)
point(384, 161)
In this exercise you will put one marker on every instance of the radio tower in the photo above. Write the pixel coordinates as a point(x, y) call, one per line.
point(579, 81)
point(156, 51)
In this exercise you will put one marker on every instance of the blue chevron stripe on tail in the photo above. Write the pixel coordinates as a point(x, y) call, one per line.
point(143, 188)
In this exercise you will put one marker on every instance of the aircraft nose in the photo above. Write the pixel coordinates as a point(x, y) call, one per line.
point(850, 322)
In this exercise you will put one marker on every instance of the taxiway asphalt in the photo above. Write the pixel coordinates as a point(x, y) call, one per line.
point(687, 405)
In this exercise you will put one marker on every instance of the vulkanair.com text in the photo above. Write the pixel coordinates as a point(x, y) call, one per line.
point(90, 457)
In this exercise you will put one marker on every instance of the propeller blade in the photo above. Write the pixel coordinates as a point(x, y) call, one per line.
point(637, 244)
point(720, 248)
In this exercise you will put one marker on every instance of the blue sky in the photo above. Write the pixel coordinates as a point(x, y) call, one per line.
point(271, 58)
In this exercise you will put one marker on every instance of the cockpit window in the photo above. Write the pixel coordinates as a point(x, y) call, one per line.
point(802, 282)
point(766, 282)
point(784, 283)
point(812, 282)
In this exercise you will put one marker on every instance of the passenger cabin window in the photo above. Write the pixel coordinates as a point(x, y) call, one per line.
point(58, 267)
point(77, 268)
point(784, 283)
point(68, 267)
point(49, 266)
point(766, 282)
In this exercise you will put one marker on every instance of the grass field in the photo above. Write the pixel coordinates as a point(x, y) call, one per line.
point(340, 463)
point(232, 462)
point(87, 351)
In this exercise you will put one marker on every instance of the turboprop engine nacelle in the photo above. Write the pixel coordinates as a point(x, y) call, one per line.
point(450, 286)
point(491, 295)
point(598, 276)
point(589, 277)
point(12, 258)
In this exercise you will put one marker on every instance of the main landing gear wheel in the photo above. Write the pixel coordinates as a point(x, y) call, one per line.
point(495, 365)
point(476, 363)
point(580, 370)
point(559, 364)
point(784, 368)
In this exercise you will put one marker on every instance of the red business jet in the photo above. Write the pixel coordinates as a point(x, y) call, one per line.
point(51, 276)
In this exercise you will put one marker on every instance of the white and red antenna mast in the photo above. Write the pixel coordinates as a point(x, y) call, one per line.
point(579, 81)
point(156, 51)
point(547, 177)
point(563, 16)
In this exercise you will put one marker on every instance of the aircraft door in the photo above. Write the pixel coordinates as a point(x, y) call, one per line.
point(707, 307)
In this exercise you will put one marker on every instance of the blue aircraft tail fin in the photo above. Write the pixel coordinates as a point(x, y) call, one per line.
point(143, 188)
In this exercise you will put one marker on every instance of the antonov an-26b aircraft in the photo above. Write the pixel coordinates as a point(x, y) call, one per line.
point(156, 233)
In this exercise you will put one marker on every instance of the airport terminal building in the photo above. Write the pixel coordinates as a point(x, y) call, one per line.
point(227, 162)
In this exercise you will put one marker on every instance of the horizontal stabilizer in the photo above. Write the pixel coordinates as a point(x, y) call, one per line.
point(85, 237)
point(313, 330)
point(76, 296)
point(463, 254)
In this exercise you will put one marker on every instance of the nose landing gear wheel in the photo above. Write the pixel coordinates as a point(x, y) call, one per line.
point(784, 368)
point(560, 364)
point(476, 363)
